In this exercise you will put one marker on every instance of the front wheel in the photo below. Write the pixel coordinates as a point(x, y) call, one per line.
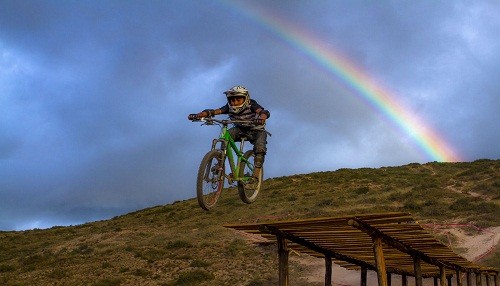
point(210, 179)
point(247, 189)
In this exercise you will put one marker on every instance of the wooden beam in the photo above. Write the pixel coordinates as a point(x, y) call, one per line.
point(478, 278)
point(363, 276)
point(469, 278)
point(380, 261)
point(328, 270)
point(389, 279)
point(372, 231)
point(404, 280)
point(442, 276)
point(283, 261)
point(418, 271)
point(459, 278)
point(487, 277)
point(274, 230)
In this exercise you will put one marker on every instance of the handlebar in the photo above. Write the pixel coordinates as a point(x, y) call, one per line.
point(225, 122)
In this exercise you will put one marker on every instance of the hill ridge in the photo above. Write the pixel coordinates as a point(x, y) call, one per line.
point(180, 244)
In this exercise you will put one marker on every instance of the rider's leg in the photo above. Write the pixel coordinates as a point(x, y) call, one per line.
point(259, 149)
point(235, 133)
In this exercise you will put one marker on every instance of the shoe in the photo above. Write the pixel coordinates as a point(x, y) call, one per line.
point(252, 183)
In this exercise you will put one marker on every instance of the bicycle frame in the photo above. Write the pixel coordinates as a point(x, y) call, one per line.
point(226, 140)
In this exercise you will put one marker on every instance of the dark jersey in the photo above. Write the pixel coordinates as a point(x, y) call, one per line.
point(248, 114)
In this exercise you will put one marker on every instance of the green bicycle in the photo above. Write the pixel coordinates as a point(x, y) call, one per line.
point(212, 171)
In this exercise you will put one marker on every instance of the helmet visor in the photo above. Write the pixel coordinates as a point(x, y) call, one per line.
point(235, 94)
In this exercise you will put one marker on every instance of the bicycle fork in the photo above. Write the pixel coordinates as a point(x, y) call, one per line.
point(219, 168)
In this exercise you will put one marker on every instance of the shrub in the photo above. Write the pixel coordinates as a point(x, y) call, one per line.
point(412, 206)
point(58, 273)
point(141, 272)
point(178, 244)
point(83, 249)
point(236, 246)
point(263, 282)
point(194, 277)
point(488, 208)
point(199, 263)
point(6, 268)
point(462, 204)
point(324, 203)
point(362, 190)
point(108, 282)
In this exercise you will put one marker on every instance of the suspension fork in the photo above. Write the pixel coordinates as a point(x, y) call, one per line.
point(223, 151)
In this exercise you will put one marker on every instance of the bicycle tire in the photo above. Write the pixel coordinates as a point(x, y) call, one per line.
point(248, 195)
point(210, 180)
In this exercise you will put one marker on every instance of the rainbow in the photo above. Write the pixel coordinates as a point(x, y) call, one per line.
point(380, 99)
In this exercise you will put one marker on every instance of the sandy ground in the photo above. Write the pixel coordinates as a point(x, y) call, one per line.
point(477, 246)
point(471, 247)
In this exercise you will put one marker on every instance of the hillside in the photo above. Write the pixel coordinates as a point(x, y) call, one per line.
point(180, 244)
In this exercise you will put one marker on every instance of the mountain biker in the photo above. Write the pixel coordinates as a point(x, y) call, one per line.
point(240, 107)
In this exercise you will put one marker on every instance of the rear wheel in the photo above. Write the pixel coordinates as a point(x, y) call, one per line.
point(210, 179)
point(249, 189)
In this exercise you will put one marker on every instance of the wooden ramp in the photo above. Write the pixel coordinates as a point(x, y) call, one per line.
point(388, 243)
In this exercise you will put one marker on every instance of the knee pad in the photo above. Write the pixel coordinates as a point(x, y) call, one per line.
point(259, 160)
point(259, 149)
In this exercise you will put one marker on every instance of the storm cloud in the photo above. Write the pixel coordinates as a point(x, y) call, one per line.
point(95, 95)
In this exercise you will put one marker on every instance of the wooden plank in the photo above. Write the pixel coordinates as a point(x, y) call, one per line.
point(380, 262)
point(396, 244)
point(314, 247)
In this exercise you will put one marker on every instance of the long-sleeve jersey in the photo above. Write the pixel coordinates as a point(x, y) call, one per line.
point(251, 112)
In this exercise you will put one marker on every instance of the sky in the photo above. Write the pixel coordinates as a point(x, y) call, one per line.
point(94, 95)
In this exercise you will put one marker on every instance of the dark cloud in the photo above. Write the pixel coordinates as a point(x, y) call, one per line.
point(95, 95)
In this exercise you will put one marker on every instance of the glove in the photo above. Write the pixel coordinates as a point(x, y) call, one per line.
point(193, 117)
point(259, 121)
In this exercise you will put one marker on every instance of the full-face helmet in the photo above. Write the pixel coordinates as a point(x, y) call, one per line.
point(238, 91)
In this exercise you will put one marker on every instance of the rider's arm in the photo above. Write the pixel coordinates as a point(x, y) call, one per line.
point(263, 113)
point(210, 112)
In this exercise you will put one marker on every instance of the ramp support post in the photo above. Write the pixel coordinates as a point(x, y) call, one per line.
point(380, 261)
point(328, 270)
point(283, 261)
